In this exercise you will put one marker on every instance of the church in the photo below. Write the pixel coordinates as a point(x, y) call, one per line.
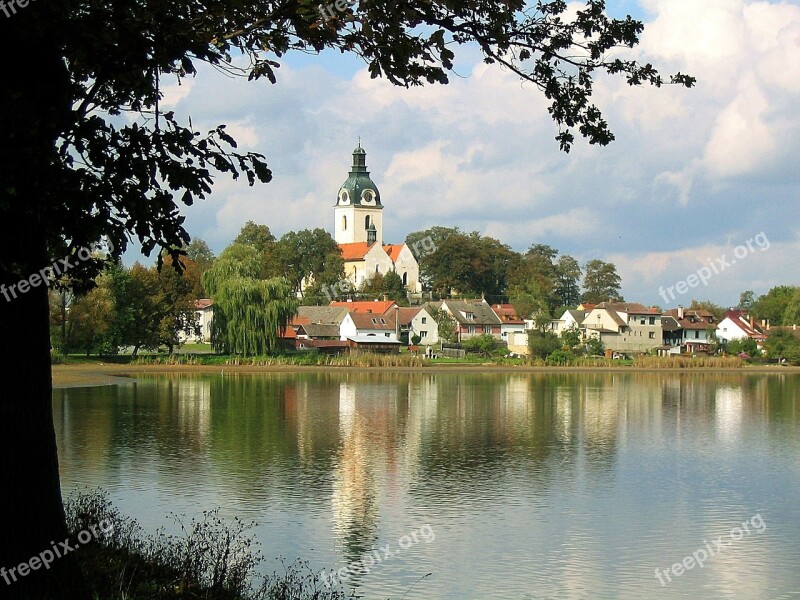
point(358, 229)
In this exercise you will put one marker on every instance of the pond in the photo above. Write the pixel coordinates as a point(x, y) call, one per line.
point(610, 485)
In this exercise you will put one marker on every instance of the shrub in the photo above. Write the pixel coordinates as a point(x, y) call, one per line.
point(560, 357)
point(543, 343)
point(482, 344)
point(209, 560)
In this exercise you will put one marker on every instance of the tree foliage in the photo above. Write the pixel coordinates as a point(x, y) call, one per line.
point(542, 343)
point(447, 325)
point(379, 286)
point(249, 313)
point(310, 256)
point(601, 282)
point(464, 263)
point(483, 344)
point(774, 304)
point(783, 345)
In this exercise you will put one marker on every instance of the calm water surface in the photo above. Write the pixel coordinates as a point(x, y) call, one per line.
point(518, 486)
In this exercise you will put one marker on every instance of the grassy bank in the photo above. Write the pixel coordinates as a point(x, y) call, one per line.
point(406, 360)
point(209, 560)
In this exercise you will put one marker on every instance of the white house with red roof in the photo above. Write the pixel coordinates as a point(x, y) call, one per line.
point(358, 229)
point(739, 325)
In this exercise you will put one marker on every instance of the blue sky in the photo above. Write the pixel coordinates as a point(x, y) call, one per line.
point(692, 174)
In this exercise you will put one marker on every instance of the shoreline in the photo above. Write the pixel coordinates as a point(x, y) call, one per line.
point(100, 374)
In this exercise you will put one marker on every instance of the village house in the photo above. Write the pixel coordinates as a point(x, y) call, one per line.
point(625, 327)
point(739, 325)
point(473, 317)
point(688, 331)
point(416, 320)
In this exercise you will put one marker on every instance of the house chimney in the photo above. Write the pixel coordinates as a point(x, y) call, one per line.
point(752, 323)
point(680, 312)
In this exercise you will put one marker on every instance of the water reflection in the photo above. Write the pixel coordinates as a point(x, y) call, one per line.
point(570, 484)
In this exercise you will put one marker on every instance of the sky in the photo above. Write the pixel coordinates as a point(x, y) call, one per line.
point(699, 184)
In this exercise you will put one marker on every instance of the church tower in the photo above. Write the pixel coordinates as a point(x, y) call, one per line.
point(358, 216)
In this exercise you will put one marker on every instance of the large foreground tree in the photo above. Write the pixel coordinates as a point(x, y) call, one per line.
point(86, 152)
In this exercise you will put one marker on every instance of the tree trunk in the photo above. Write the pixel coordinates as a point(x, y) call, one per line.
point(33, 109)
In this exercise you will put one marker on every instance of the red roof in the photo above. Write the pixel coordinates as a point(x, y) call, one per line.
point(203, 303)
point(393, 250)
point(507, 314)
point(298, 320)
point(375, 307)
point(289, 333)
point(355, 251)
point(746, 324)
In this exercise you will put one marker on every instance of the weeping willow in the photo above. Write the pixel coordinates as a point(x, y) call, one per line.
point(249, 313)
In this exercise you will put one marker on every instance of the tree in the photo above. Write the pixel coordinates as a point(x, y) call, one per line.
point(483, 344)
point(542, 343)
point(791, 316)
point(571, 337)
point(746, 300)
point(567, 285)
point(261, 238)
point(773, 304)
point(198, 252)
point(389, 285)
point(249, 313)
point(783, 344)
point(90, 319)
point(745, 345)
point(309, 256)
point(73, 171)
point(448, 327)
point(466, 264)
point(601, 282)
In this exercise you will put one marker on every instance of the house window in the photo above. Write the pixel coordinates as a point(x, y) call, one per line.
point(697, 335)
point(424, 320)
point(652, 335)
point(487, 329)
point(652, 320)
point(386, 334)
point(471, 329)
point(641, 322)
point(470, 316)
point(423, 334)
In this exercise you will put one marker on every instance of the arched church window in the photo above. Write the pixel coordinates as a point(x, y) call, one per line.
point(344, 223)
point(366, 222)
point(405, 278)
